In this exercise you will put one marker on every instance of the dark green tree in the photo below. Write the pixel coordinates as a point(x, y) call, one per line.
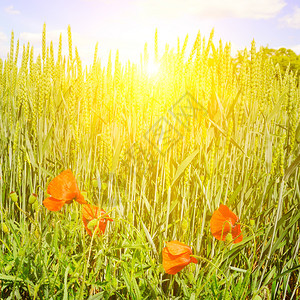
point(284, 57)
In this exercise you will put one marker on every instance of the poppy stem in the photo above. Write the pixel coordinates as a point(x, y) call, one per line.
point(87, 264)
point(207, 260)
point(30, 218)
point(254, 249)
point(5, 245)
point(223, 228)
point(106, 215)
point(254, 240)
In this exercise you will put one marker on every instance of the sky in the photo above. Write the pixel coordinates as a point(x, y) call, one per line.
point(128, 24)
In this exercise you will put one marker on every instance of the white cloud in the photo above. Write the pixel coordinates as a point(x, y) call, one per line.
point(11, 11)
point(296, 49)
point(252, 9)
point(4, 46)
point(292, 20)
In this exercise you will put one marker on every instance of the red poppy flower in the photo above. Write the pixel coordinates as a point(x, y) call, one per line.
point(222, 222)
point(63, 189)
point(176, 256)
point(94, 216)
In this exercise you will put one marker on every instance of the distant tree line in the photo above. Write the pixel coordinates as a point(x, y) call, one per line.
point(282, 56)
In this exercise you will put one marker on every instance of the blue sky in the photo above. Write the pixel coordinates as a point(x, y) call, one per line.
point(127, 24)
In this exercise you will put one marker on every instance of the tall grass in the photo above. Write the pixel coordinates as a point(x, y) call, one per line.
point(240, 149)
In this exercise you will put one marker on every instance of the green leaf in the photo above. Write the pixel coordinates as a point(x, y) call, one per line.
point(233, 103)
point(235, 193)
point(9, 278)
point(269, 276)
point(286, 272)
point(97, 296)
point(66, 284)
point(237, 269)
point(268, 153)
point(276, 108)
point(47, 140)
point(297, 134)
point(225, 134)
point(116, 157)
point(30, 151)
point(183, 165)
point(150, 240)
point(291, 169)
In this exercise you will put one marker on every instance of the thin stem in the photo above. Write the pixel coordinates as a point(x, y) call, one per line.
point(87, 262)
point(208, 261)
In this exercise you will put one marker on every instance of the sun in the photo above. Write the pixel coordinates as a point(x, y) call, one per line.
point(153, 68)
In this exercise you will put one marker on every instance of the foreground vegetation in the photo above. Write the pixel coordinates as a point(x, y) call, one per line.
point(159, 152)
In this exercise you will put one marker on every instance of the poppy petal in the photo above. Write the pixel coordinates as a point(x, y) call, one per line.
point(227, 213)
point(104, 215)
point(194, 260)
point(53, 204)
point(219, 225)
point(177, 248)
point(63, 186)
point(173, 270)
point(223, 221)
point(88, 230)
point(176, 256)
point(237, 234)
point(102, 227)
point(87, 212)
point(80, 199)
point(91, 212)
point(173, 264)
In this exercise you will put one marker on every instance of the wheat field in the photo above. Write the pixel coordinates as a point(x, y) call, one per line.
point(158, 145)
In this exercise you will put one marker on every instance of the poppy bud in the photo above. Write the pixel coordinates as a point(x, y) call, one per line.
point(184, 225)
point(5, 228)
point(21, 252)
point(95, 182)
point(49, 238)
point(74, 216)
point(8, 268)
point(32, 198)
point(130, 217)
point(92, 224)
point(35, 206)
point(228, 238)
point(13, 196)
point(252, 222)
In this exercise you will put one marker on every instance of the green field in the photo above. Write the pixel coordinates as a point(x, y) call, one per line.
point(159, 146)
